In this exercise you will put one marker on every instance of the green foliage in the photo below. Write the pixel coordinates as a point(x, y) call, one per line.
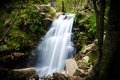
point(81, 1)
point(93, 57)
point(86, 23)
point(86, 64)
point(71, 6)
point(67, 3)
point(91, 24)
point(30, 22)
point(39, 1)
point(51, 11)
point(81, 39)
point(28, 27)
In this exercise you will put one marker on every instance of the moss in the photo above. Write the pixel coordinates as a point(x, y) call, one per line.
point(93, 57)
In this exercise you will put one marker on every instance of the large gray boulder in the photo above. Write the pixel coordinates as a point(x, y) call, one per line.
point(71, 67)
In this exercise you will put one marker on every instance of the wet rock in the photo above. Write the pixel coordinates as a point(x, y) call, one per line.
point(91, 48)
point(59, 76)
point(85, 59)
point(64, 72)
point(74, 78)
point(32, 77)
point(80, 64)
point(90, 68)
point(87, 49)
point(71, 67)
point(80, 72)
point(83, 64)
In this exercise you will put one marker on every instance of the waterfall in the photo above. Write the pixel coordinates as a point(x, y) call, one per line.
point(56, 46)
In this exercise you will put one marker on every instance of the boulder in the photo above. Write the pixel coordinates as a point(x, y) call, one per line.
point(80, 72)
point(59, 76)
point(80, 63)
point(89, 48)
point(63, 72)
point(85, 59)
point(74, 78)
point(84, 63)
point(71, 67)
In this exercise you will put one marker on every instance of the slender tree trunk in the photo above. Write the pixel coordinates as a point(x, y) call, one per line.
point(99, 10)
point(99, 7)
point(63, 6)
point(99, 34)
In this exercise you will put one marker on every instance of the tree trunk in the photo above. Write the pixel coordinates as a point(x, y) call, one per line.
point(108, 67)
point(99, 10)
point(63, 7)
point(99, 7)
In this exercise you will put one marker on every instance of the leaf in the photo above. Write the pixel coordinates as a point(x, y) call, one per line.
point(33, 28)
point(23, 16)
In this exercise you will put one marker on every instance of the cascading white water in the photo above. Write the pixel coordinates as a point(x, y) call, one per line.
point(56, 46)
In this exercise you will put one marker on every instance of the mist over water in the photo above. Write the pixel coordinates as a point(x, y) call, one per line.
point(56, 46)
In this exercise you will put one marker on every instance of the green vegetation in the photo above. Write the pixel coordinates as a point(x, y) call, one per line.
point(24, 25)
point(86, 34)
point(28, 23)
point(71, 6)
